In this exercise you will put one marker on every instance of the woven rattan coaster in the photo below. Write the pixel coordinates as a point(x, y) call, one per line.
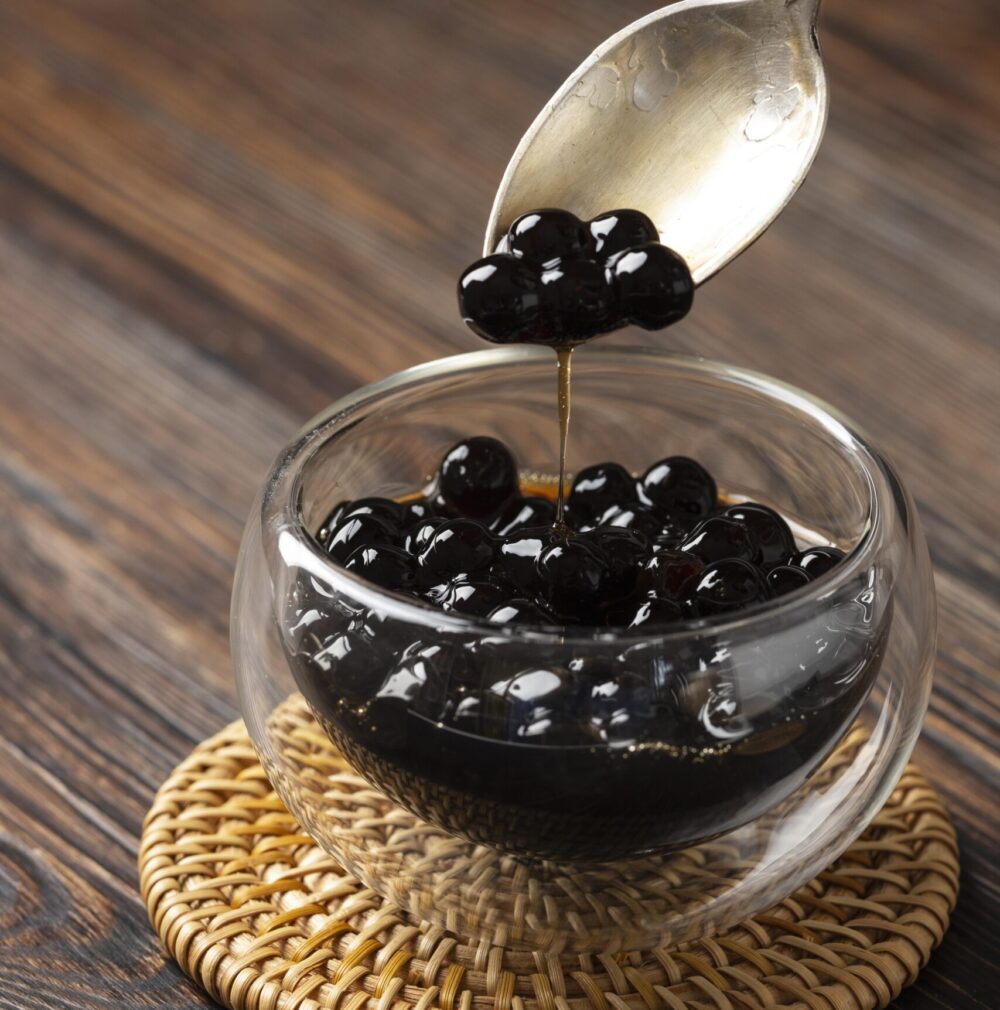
point(262, 918)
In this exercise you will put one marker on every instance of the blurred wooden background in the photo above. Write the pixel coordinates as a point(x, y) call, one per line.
point(218, 215)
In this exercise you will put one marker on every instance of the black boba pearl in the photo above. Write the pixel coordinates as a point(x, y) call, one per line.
point(423, 649)
point(385, 508)
point(557, 728)
point(303, 623)
point(420, 533)
point(673, 532)
point(519, 554)
point(307, 593)
point(474, 597)
point(610, 693)
point(352, 532)
point(370, 623)
point(665, 670)
point(467, 714)
point(317, 592)
point(518, 611)
point(817, 561)
point(618, 230)
point(626, 551)
point(414, 512)
point(486, 714)
point(594, 668)
point(617, 614)
point(497, 573)
point(349, 663)
point(633, 544)
point(435, 594)
point(623, 707)
point(653, 285)
point(462, 696)
point(496, 710)
point(786, 579)
point(477, 478)
point(625, 727)
point(717, 538)
point(549, 236)
point(655, 612)
point(577, 301)
point(598, 488)
point(766, 527)
point(524, 513)
point(333, 518)
point(575, 579)
point(450, 675)
point(677, 487)
point(455, 664)
point(416, 683)
point(667, 571)
point(721, 716)
point(390, 512)
point(387, 712)
point(543, 687)
point(549, 706)
point(498, 298)
point(632, 516)
point(723, 587)
point(303, 613)
point(389, 567)
point(456, 547)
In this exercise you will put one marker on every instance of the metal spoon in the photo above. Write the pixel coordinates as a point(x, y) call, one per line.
point(706, 115)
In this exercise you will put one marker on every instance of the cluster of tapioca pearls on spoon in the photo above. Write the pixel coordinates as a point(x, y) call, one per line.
point(559, 281)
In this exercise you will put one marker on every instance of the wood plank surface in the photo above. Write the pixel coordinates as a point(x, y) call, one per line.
point(218, 215)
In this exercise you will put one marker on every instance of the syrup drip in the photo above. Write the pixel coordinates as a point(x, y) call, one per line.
point(564, 357)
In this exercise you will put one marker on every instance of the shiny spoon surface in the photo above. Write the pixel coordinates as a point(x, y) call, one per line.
point(705, 115)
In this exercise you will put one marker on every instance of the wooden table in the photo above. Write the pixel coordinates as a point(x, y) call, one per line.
point(216, 216)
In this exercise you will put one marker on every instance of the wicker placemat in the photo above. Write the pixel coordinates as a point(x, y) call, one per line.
point(263, 919)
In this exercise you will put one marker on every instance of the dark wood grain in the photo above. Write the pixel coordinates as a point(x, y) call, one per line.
point(218, 215)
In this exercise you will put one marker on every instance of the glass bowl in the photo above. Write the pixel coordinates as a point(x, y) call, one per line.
point(679, 781)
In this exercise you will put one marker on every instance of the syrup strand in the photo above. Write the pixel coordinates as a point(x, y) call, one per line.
point(563, 355)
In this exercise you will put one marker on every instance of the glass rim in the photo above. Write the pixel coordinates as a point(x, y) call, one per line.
point(281, 498)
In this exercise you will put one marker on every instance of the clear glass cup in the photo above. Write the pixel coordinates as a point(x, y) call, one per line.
point(721, 764)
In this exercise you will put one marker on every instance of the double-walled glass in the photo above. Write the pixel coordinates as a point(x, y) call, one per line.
point(723, 762)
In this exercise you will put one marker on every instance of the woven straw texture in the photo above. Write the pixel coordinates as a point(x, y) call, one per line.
point(263, 919)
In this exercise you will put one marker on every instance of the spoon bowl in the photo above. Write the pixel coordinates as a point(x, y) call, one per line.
point(705, 115)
